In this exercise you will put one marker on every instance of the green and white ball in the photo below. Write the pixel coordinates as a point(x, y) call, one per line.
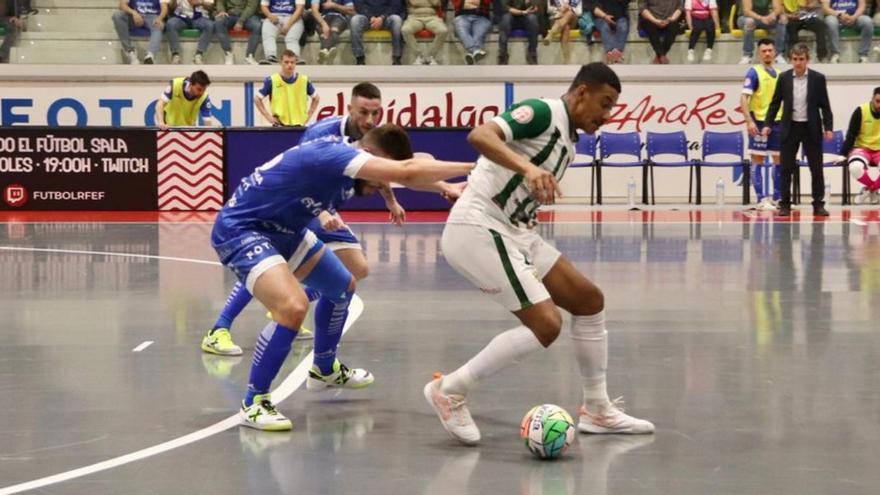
point(547, 430)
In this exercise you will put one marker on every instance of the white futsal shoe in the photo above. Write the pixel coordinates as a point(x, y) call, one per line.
point(863, 197)
point(262, 415)
point(342, 377)
point(453, 413)
point(612, 419)
point(766, 204)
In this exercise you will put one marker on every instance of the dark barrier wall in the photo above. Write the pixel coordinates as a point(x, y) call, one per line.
point(185, 169)
point(69, 169)
point(248, 149)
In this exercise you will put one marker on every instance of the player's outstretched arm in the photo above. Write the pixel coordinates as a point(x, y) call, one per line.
point(412, 172)
point(489, 140)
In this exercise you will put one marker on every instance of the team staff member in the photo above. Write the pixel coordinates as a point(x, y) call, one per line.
point(184, 99)
point(288, 94)
point(806, 111)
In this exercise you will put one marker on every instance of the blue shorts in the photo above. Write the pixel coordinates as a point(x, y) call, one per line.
point(335, 239)
point(249, 253)
point(760, 145)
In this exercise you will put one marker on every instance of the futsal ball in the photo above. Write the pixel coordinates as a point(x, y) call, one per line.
point(547, 431)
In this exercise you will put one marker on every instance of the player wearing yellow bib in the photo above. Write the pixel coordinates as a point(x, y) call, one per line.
point(183, 101)
point(758, 88)
point(490, 239)
point(862, 146)
point(288, 94)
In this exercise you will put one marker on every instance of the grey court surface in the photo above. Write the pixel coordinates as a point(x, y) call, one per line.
point(753, 346)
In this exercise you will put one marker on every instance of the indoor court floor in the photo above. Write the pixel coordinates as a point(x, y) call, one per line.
point(752, 343)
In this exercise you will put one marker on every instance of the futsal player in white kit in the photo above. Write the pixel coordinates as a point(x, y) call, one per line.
point(490, 238)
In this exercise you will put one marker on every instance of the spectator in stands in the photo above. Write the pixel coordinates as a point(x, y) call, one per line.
point(373, 15)
point(659, 19)
point(140, 13)
point(285, 17)
point(564, 15)
point(862, 148)
point(612, 20)
point(190, 14)
point(806, 15)
point(761, 14)
point(238, 15)
point(329, 18)
point(12, 14)
point(848, 13)
point(184, 99)
point(288, 93)
point(519, 14)
point(425, 14)
point(702, 17)
point(472, 24)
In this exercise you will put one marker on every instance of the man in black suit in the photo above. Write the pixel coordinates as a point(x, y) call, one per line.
point(803, 95)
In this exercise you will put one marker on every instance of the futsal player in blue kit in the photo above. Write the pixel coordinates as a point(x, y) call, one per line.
point(364, 111)
point(265, 223)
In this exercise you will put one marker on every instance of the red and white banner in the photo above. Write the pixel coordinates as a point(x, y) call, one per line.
point(190, 170)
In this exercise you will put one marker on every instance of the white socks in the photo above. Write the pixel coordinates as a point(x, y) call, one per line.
point(505, 349)
point(590, 343)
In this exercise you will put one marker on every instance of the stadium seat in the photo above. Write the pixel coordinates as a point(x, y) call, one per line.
point(831, 157)
point(627, 144)
point(670, 144)
point(729, 144)
point(735, 30)
point(377, 35)
point(585, 149)
point(190, 33)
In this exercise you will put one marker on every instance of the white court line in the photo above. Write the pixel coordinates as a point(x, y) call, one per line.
point(283, 391)
point(142, 346)
point(105, 253)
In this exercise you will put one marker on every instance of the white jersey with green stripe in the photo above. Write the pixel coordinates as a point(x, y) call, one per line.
point(497, 197)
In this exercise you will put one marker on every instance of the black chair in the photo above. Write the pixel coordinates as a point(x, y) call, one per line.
point(627, 144)
point(724, 143)
point(833, 148)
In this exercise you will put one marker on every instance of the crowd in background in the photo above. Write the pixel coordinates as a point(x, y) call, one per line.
point(407, 22)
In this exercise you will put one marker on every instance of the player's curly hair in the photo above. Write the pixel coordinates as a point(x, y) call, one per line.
point(594, 75)
point(391, 139)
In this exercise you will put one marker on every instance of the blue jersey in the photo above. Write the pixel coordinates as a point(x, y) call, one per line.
point(333, 126)
point(289, 191)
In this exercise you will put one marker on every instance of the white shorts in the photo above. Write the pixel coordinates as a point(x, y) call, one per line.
point(508, 268)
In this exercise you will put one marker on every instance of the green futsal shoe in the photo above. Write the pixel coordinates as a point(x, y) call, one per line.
point(219, 341)
point(342, 377)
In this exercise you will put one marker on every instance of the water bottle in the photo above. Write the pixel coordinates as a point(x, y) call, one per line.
point(631, 193)
point(719, 192)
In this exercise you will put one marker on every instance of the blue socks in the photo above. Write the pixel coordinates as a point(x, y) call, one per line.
point(329, 320)
point(777, 178)
point(271, 351)
point(235, 303)
point(758, 180)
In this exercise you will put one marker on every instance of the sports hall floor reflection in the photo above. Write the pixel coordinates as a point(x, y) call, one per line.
point(753, 346)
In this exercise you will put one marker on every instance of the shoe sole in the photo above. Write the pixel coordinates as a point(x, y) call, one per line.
point(591, 429)
point(429, 397)
point(313, 385)
point(243, 421)
point(211, 350)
